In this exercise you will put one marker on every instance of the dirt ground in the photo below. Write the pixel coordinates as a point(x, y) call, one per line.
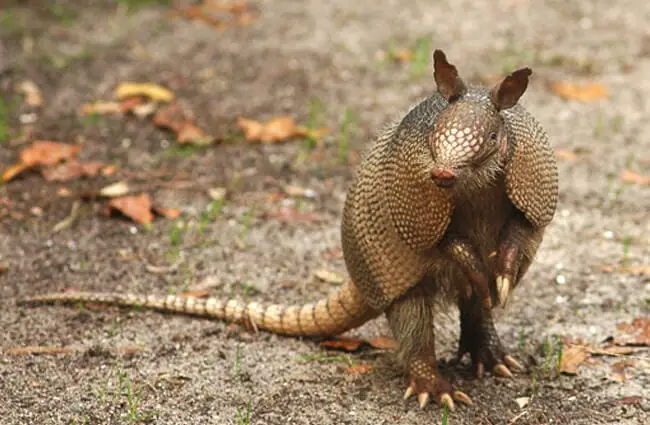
point(318, 62)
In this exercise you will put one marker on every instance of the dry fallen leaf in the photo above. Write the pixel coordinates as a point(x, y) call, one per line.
point(299, 191)
point(150, 90)
point(382, 343)
point(638, 332)
point(359, 369)
point(276, 130)
point(40, 153)
point(33, 96)
point(47, 153)
point(193, 135)
point(630, 177)
point(199, 293)
point(71, 170)
point(32, 349)
point(346, 344)
point(114, 190)
point(289, 215)
point(101, 108)
point(329, 277)
point(172, 118)
point(582, 93)
point(4, 268)
point(565, 154)
point(13, 170)
point(572, 357)
point(168, 212)
point(618, 369)
point(138, 208)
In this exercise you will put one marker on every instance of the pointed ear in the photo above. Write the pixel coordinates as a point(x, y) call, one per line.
point(450, 85)
point(507, 94)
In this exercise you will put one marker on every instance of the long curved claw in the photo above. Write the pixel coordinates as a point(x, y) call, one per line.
point(409, 392)
point(446, 399)
point(503, 289)
point(480, 370)
point(462, 397)
point(502, 370)
point(423, 399)
point(512, 363)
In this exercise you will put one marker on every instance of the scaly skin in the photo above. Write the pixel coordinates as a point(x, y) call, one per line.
point(465, 174)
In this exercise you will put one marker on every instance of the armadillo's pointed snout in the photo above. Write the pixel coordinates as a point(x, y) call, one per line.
point(443, 177)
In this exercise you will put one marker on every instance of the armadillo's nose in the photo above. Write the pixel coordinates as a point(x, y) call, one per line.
point(443, 177)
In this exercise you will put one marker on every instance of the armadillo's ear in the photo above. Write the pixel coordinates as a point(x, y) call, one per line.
point(507, 94)
point(450, 85)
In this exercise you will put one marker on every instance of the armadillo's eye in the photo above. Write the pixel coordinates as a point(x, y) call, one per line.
point(493, 136)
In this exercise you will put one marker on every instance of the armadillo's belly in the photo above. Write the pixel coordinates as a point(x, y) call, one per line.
point(478, 222)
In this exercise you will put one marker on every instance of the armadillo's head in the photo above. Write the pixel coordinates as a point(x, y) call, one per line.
point(469, 141)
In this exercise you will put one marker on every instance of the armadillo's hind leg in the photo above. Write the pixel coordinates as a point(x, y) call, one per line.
point(479, 338)
point(411, 320)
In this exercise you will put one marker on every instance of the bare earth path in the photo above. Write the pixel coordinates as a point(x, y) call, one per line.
point(144, 367)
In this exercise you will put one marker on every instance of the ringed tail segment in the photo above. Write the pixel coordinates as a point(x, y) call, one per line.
point(340, 312)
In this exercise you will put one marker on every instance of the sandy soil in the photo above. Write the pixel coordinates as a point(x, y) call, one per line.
point(305, 59)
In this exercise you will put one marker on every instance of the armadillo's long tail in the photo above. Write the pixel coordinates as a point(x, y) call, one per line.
point(341, 311)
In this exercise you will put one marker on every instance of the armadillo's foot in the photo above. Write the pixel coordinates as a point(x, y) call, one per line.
point(479, 338)
point(427, 384)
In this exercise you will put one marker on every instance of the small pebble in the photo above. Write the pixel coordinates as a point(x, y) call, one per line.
point(608, 234)
point(560, 279)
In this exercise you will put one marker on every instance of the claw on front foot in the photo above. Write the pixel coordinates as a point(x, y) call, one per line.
point(501, 370)
point(503, 289)
point(512, 363)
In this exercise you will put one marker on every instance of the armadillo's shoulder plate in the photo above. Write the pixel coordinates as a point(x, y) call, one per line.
point(531, 169)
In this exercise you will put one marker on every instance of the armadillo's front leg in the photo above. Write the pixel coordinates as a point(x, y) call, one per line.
point(518, 244)
point(479, 338)
point(464, 254)
point(411, 321)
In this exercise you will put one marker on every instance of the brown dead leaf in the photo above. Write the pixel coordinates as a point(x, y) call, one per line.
point(630, 177)
point(199, 293)
point(33, 96)
point(47, 153)
point(40, 153)
point(612, 350)
point(345, 344)
point(193, 135)
point(289, 215)
point(167, 212)
point(618, 369)
point(174, 119)
point(329, 277)
point(101, 108)
point(565, 154)
point(572, 357)
point(638, 332)
point(276, 130)
point(13, 170)
point(582, 93)
point(34, 349)
point(149, 90)
point(334, 254)
point(359, 369)
point(71, 170)
point(382, 343)
point(197, 14)
point(632, 399)
point(138, 208)
point(4, 268)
